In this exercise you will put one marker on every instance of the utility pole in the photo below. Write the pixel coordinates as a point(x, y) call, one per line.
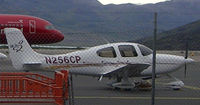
point(154, 60)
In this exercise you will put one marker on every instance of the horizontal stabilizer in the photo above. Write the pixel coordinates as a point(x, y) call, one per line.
point(32, 65)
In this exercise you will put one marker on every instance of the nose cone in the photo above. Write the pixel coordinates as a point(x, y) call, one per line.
point(59, 36)
point(52, 36)
point(170, 59)
point(173, 59)
point(189, 60)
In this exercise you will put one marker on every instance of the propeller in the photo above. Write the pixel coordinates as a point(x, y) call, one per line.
point(186, 56)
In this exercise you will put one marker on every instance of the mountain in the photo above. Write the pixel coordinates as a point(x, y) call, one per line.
point(89, 23)
point(175, 39)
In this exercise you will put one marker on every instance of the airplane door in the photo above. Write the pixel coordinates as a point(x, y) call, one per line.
point(32, 26)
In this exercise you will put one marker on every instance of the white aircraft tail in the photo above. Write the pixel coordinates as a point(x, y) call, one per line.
point(19, 49)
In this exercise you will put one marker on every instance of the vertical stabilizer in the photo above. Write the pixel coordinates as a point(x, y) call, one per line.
point(20, 51)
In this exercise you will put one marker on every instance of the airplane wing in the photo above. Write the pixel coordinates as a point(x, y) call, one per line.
point(129, 70)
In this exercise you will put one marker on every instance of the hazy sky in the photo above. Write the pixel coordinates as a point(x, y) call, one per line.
point(130, 1)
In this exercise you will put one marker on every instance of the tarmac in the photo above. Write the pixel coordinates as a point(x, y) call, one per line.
point(89, 91)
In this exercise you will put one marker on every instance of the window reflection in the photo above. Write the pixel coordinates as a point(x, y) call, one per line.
point(108, 52)
point(127, 51)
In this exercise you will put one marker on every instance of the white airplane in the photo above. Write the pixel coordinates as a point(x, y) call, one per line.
point(2, 56)
point(120, 61)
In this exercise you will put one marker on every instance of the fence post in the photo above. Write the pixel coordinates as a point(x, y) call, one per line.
point(65, 86)
point(71, 93)
point(154, 60)
point(72, 88)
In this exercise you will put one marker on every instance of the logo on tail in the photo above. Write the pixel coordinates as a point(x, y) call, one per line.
point(17, 47)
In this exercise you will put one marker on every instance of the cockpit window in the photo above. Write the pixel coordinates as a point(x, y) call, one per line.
point(49, 27)
point(108, 52)
point(145, 50)
point(127, 51)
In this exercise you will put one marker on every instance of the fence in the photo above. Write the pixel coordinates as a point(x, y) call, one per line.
point(34, 86)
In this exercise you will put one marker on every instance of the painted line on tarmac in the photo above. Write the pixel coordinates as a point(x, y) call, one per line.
point(192, 87)
point(139, 98)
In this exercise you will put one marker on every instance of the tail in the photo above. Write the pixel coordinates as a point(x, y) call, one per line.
point(20, 51)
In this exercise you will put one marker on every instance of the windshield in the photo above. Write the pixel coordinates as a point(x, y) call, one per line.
point(49, 27)
point(145, 50)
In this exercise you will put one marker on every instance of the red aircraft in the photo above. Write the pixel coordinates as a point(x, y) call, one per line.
point(36, 30)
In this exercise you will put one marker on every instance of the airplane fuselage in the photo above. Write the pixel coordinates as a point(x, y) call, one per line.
point(35, 30)
point(88, 62)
